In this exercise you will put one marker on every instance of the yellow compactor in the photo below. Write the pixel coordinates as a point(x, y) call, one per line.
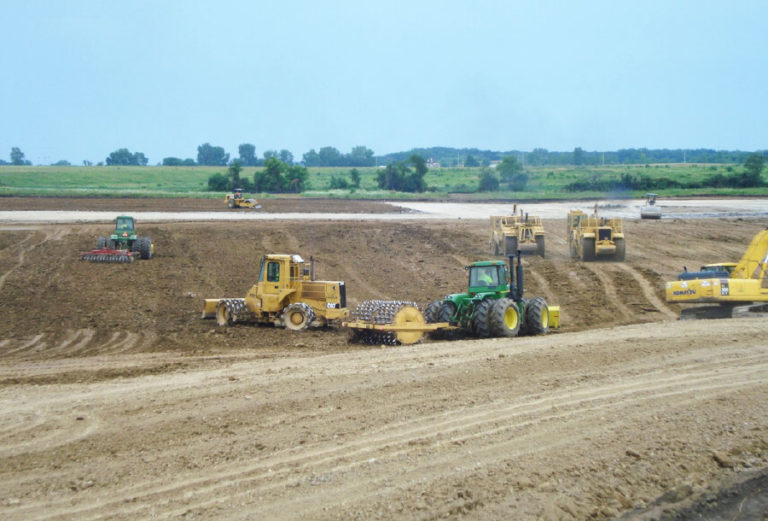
point(285, 295)
point(728, 290)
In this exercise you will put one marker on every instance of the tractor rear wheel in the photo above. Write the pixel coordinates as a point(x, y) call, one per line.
point(505, 318)
point(537, 317)
point(480, 318)
point(587, 249)
point(101, 243)
point(298, 316)
point(432, 312)
point(145, 247)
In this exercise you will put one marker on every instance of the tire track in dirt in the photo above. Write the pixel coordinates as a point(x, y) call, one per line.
point(648, 291)
point(466, 425)
point(609, 289)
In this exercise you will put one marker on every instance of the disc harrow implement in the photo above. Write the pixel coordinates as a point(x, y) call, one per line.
point(107, 255)
point(388, 322)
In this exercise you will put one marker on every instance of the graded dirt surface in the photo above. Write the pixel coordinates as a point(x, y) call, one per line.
point(119, 402)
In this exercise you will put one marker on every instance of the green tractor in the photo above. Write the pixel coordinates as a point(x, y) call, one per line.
point(125, 238)
point(493, 305)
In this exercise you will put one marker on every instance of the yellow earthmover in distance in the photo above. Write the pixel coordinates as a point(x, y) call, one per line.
point(510, 233)
point(729, 291)
point(285, 295)
point(236, 200)
point(591, 237)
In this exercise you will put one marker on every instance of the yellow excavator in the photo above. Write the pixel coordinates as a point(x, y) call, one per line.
point(729, 291)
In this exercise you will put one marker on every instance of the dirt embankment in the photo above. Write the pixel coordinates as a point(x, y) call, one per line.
point(120, 403)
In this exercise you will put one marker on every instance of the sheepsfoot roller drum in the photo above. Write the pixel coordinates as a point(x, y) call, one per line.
point(107, 255)
point(388, 322)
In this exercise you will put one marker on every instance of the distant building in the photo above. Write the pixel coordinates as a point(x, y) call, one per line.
point(431, 163)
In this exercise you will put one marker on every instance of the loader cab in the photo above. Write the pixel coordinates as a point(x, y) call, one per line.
point(276, 279)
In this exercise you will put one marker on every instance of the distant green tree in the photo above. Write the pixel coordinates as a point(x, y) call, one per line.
point(234, 174)
point(62, 162)
point(753, 166)
point(218, 183)
point(296, 178)
point(211, 155)
point(329, 156)
point(360, 156)
point(17, 157)
point(270, 153)
point(354, 176)
point(489, 182)
point(123, 156)
point(286, 156)
point(578, 156)
point(271, 178)
point(338, 183)
point(471, 162)
point(247, 153)
point(518, 182)
point(402, 178)
point(311, 158)
point(172, 161)
point(508, 168)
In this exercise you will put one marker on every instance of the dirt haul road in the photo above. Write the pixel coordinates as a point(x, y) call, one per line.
point(118, 402)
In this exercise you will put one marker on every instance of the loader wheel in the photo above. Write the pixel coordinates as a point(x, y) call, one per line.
point(297, 317)
point(537, 317)
point(587, 249)
point(510, 245)
point(101, 243)
point(145, 247)
point(621, 250)
point(230, 203)
point(480, 318)
point(223, 314)
point(504, 319)
point(540, 249)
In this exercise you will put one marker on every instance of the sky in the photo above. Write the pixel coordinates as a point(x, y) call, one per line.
point(83, 78)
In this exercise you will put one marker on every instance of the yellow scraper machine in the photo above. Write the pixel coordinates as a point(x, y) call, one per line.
point(728, 289)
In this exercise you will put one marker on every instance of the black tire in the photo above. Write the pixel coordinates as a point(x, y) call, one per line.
point(587, 249)
point(145, 247)
point(504, 320)
point(480, 318)
point(111, 244)
point(230, 203)
point(537, 317)
point(101, 243)
point(540, 248)
point(510, 245)
point(447, 310)
point(136, 246)
point(298, 316)
point(621, 250)
point(494, 247)
point(432, 312)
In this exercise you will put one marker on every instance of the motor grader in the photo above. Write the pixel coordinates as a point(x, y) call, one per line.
point(728, 290)
point(122, 246)
point(236, 200)
point(492, 306)
point(286, 295)
point(591, 237)
point(510, 233)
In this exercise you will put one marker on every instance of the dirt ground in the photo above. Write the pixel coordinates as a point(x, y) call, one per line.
point(119, 402)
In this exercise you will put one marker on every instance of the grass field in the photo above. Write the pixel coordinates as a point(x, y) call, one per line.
point(154, 181)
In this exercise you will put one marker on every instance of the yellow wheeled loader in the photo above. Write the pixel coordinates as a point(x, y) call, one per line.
point(591, 237)
point(236, 200)
point(729, 291)
point(285, 295)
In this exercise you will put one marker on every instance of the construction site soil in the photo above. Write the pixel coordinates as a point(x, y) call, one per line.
point(117, 401)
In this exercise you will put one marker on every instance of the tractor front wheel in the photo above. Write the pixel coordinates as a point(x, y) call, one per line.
point(537, 316)
point(101, 243)
point(480, 318)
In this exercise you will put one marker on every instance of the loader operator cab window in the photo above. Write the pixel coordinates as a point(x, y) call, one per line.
point(484, 276)
point(273, 272)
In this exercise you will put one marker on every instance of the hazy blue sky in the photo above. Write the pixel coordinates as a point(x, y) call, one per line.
point(81, 78)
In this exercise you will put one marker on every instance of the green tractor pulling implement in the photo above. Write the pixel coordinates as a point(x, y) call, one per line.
point(122, 245)
point(493, 306)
